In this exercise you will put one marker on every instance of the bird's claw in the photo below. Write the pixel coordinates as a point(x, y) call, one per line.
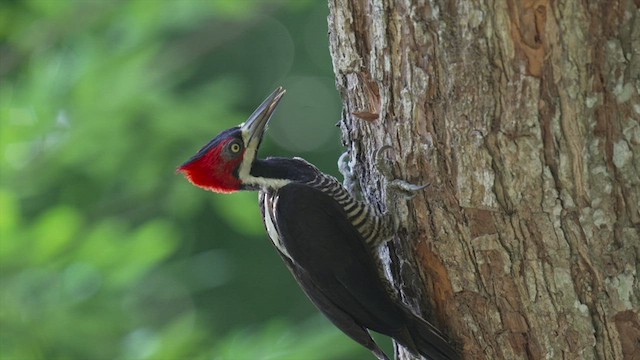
point(409, 190)
point(400, 189)
point(382, 149)
point(394, 187)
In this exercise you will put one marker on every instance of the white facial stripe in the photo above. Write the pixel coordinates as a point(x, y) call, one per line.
point(249, 155)
point(244, 173)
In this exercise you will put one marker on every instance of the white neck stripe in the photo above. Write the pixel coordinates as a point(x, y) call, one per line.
point(244, 173)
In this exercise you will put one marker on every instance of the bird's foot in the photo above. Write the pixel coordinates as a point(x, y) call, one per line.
point(345, 167)
point(395, 188)
point(404, 189)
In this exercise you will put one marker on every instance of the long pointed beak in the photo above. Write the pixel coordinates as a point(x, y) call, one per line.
point(253, 129)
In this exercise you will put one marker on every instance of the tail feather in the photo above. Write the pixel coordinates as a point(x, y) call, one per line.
point(420, 337)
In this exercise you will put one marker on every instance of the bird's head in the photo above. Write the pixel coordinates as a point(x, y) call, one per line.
point(224, 164)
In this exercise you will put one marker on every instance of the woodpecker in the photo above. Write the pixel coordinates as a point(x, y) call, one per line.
point(326, 237)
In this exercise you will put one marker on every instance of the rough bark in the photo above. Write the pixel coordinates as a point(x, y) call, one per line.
point(523, 116)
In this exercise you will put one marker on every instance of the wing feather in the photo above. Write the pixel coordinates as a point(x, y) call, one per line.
point(322, 241)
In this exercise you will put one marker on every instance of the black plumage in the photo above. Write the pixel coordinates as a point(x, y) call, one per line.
point(336, 269)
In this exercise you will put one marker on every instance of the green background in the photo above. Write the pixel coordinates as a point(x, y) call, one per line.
point(107, 253)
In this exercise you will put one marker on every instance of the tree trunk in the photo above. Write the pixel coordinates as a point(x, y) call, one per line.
point(523, 116)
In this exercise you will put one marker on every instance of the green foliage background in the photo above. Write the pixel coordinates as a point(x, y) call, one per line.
point(105, 252)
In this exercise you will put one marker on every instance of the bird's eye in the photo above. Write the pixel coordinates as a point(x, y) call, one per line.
point(235, 147)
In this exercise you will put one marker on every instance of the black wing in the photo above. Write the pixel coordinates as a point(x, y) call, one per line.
point(336, 269)
point(321, 240)
point(341, 319)
point(338, 316)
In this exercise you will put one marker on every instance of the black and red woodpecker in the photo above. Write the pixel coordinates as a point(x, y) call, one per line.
point(325, 236)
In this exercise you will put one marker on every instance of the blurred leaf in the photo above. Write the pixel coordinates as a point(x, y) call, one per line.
point(9, 222)
point(53, 232)
point(282, 341)
point(241, 212)
point(153, 242)
point(100, 246)
point(183, 338)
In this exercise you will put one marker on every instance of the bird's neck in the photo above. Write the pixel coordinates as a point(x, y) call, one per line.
point(368, 221)
point(274, 173)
